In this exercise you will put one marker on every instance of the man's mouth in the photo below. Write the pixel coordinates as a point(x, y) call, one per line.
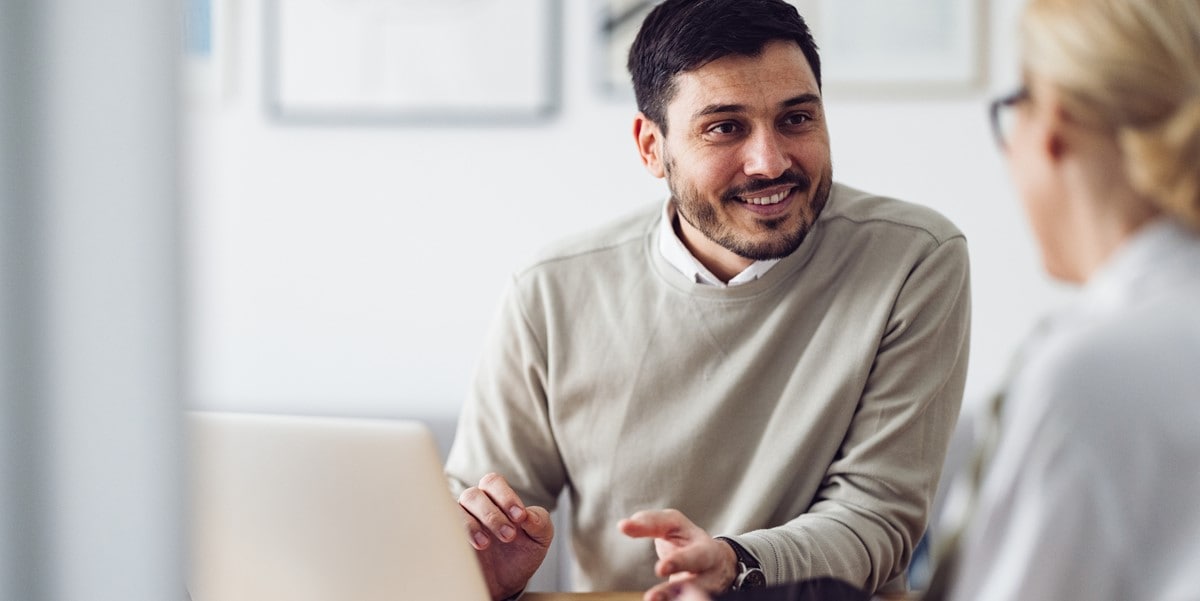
point(769, 199)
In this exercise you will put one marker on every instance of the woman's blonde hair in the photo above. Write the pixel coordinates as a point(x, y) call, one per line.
point(1133, 67)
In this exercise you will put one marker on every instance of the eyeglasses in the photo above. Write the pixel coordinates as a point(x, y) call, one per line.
point(1003, 115)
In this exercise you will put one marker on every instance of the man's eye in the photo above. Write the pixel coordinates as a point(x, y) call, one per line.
point(797, 119)
point(725, 127)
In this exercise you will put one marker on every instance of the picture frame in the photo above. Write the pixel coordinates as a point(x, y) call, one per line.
point(205, 70)
point(618, 22)
point(899, 47)
point(412, 62)
point(868, 48)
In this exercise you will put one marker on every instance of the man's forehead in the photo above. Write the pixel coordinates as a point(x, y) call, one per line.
point(738, 80)
point(781, 83)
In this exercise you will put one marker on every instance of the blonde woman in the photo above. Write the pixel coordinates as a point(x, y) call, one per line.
point(1093, 488)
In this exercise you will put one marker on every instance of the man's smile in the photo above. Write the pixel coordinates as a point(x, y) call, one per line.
point(766, 199)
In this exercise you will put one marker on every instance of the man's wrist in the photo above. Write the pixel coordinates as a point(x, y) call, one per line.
point(747, 572)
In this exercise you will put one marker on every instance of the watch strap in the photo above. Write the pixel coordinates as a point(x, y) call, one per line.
point(750, 574)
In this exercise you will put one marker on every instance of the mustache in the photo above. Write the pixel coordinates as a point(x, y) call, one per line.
point(792, 178)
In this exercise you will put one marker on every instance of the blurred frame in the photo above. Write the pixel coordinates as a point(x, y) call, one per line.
point(412, 62)
point(206, 73)
point(868, 47)
point(900, 47)
point(618, 22)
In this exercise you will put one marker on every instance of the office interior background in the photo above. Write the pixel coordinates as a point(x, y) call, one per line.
point(173, 239)
point(354, 266)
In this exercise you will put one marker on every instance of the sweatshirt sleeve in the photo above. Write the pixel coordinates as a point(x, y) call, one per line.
point(504, 425)
point(874, 500)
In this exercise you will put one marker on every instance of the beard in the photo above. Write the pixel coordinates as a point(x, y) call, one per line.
point(783, 240)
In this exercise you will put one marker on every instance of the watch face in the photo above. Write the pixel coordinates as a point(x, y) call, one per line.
point(754, 578)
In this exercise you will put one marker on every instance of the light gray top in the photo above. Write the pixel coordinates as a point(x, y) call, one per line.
point(806, 413)
point(1092, 493)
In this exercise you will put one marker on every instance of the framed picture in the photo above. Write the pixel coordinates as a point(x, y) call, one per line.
point(412, 61)
point(619, 21)
point(206, 50)
point(899, 46)
point(868, 47)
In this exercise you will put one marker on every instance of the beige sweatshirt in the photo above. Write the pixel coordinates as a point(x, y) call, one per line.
point(805, 414)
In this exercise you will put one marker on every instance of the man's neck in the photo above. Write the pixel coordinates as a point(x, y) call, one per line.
point(722, 262)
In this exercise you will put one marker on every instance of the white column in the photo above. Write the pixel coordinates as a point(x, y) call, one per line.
point(90, 383)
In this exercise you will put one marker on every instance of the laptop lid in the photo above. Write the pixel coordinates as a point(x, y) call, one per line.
point(287, 508)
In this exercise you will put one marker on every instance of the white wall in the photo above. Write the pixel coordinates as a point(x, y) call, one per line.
point(354, 270)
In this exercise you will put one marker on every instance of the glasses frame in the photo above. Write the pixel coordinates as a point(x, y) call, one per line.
point(1001, 104)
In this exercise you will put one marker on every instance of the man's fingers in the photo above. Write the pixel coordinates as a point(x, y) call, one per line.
point(696, 559)
point(496, 509)
point(688, 592)
point(480, 506)
point(670, 591)
point(475, 531)
point(537, 525)
point(503, 496)
point(663, 523)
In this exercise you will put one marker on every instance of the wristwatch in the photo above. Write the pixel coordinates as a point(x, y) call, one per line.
point(750, 574)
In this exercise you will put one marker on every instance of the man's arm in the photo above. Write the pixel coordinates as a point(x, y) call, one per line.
point(504, 426)
point(504, 464)
point(874, 502)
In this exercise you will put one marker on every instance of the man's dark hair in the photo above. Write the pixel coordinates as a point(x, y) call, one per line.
point(682, 35)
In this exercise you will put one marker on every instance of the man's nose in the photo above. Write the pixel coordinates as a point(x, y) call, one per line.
point(766, 155)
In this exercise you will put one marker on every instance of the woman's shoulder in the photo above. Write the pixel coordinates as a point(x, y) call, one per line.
point(1135, 368)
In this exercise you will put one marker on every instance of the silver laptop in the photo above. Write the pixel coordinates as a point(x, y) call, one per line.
point(322, 509)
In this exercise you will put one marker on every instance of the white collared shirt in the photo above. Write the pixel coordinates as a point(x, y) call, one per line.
point(681, 258)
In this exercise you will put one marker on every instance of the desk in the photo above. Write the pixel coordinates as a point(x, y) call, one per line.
point(582, 597)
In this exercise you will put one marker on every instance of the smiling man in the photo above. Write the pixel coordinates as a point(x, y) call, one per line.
point(751, 383)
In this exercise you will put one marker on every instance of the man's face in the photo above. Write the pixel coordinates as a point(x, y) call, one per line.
point(746, 155)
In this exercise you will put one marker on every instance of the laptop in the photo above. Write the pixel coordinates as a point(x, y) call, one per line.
point(288, 508)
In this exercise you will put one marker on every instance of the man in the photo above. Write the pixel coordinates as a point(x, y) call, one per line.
point(777, 358)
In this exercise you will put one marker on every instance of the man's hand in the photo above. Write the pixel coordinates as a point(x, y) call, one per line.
point(688, 592)
point(685, 591)
point(686, 553)
point(510, 540)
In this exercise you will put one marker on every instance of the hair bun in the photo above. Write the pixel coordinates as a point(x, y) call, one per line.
point(1164, 161)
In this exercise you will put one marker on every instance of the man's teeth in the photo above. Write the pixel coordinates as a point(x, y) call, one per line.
point(768, 200)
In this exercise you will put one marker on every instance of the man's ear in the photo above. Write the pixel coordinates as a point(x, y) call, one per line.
point(649, 138)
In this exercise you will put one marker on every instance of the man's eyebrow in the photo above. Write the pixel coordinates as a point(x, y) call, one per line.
point(714, 109)
point(801, 99)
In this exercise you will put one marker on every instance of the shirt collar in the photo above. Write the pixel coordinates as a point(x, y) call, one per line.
point(1161, 254)
point(673, 250)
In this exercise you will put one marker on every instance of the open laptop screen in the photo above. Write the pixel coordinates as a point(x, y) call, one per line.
point(322, 509)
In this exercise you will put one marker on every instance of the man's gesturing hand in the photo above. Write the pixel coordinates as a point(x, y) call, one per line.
point(685, 553)
point(510, 540)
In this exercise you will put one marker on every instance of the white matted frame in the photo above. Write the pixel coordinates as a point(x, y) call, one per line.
point(618, 23)
point(867, 47)
point(206, 70)
point(907, 47)
point(429, 62)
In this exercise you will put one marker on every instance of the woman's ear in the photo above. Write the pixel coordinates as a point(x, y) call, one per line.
point(649, 138)
point(1056, 125)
